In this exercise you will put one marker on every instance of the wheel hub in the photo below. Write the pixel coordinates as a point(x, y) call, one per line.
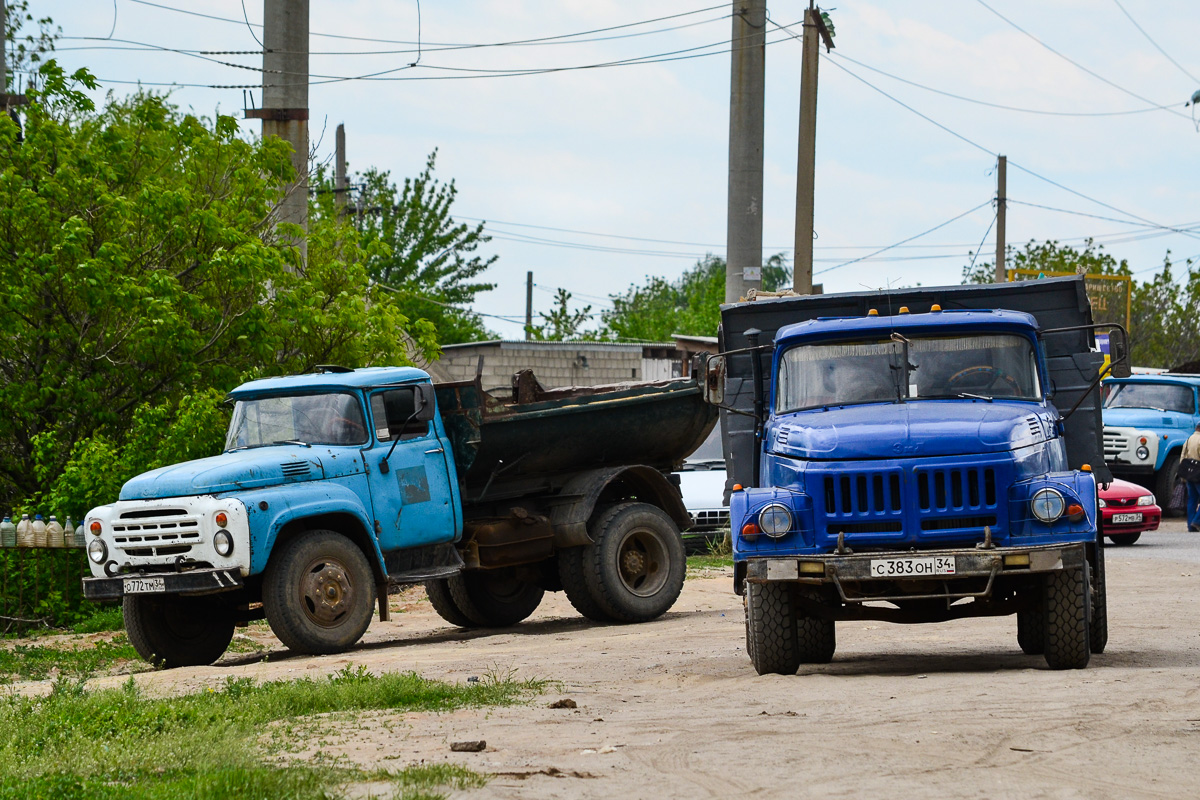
point(641, 561)
point(327, 592)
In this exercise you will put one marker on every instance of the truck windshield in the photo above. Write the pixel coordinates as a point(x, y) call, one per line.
point(1158, 396)
point(334, 418)
point(846, 373)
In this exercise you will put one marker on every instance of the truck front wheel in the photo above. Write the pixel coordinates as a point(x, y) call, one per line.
point(1031, 632)
point(635, 566)
point(1067, 595)
point(1169, 491)
point(176, 631)
point(1098, 620)
point(771, 629)
point(319, 593)
point(494, 598)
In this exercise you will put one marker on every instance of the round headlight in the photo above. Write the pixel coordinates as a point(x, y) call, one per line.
point(1146, 500)
point(223, 543)
point(1142, 453)
point(1047, 505)
point(97, 550)
point(775, 520)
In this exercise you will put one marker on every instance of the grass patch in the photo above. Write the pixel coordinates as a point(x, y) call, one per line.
point(422, 781)
point(697, 565)
point(93, 745)
point(102, 619)
point(35, 662)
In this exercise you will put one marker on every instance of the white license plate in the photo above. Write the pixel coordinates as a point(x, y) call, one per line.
point(912, 567)
point(144, 585)
point(1118, 519)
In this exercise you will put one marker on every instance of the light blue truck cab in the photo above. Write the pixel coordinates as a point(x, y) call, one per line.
point(913, 469)
point(1147, 418)
point(334, 485)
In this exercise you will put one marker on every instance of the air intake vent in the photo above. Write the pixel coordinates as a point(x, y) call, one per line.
point(1035, 426)
point(295, 469)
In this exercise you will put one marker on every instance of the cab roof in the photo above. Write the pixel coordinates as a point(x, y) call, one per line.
point(933, 322)
point(331, 381)
point(1179, 379)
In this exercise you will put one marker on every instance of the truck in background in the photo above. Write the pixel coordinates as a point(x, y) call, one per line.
point(1147, 418)
point(915, 467)
point(335, 485)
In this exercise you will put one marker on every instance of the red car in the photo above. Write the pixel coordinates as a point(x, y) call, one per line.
point(1129, 510)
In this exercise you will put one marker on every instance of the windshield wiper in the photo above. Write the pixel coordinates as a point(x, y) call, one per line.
point(293, 441)
point(975, 396)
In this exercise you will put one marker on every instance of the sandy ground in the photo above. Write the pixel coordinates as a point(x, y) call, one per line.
point(673, 708)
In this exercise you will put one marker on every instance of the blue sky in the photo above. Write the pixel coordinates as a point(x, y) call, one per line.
point(563, 164)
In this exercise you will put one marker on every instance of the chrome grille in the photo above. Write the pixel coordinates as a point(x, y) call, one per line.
point(1114, 443)
point(156, 532)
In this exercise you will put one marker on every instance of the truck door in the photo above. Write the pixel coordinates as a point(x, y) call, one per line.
point(412, 500)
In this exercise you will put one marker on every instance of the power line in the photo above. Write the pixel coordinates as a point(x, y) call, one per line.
point(246, 17)
point(1151, 41)
point(1092, 216)
point(905, 241)
point(975, 254)
point(1077, 65)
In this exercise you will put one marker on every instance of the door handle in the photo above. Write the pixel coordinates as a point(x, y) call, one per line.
point(434, 450)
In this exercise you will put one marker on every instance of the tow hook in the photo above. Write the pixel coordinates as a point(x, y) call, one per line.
point(986, 544)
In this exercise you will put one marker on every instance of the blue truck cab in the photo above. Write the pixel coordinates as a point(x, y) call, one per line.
point(913, 467)
point(1147, 418)
point(335, 485)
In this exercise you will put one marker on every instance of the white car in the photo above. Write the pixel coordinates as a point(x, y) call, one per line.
point(702, 482)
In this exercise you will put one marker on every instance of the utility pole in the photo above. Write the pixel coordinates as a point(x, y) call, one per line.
point(341, 186)
point(1001, 197)
point(285, 100)
point(806, 161)
point(743, 237)
point(528, 306)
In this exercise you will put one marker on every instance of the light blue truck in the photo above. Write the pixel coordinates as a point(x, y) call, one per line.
point(1147, 418)
point(336, 485)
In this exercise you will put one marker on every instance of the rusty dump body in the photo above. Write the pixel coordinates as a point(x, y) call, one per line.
point(503, 446)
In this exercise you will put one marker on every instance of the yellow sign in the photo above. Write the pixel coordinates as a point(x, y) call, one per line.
point(1111, 296)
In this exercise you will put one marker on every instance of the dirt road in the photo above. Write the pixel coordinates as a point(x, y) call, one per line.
point(673, 708)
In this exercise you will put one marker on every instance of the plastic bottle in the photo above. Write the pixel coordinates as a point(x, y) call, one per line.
point(39, 531)
point(54, 533)
point(24, 532)
point(69, 533)
point(8, 532)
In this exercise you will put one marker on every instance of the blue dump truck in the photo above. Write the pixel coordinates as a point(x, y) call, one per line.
point(1147, 418)
point(336, 485)
point(918, 456)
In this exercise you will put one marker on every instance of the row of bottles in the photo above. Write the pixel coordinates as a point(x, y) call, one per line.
point(37, 532)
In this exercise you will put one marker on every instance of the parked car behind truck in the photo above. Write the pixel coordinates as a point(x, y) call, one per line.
point(915, 467)
point(336, 484)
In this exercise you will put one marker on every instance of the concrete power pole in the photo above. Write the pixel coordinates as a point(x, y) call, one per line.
point(1001, 197)
point(806, 161)
point(743, 238)
point(285, 99)
point(528, 306)
point(341, 186)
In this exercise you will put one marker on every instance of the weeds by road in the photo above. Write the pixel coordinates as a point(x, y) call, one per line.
point(37, 662)
point(704, 566)
point(77, 744)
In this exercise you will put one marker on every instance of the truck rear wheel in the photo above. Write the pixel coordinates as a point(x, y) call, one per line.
point(176, 631)
point(494, 598)
point(1067, 595)
point(438, 592)
point(319, 593)
point(635, 566)
point(1098, 620)
point(1169, 491)
point(570, 573)
point(771, 636)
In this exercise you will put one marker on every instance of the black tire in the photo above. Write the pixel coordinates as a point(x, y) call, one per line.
point(1067, 594)
point(176, 631)
point(1124, 539)
point(1031, 632)
point(816, 638)
point(635, 566)
point(1098, 585)
point(438, 592)
point(319, 593)
point(771, 636)
point(1169, 491)
point(494, 598)
point(570, 572)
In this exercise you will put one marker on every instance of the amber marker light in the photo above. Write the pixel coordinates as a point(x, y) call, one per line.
point(95, 528)
point(750, 530)
point(222, 520)
point(737, 487)
point(1086, 468)
point(1075, 512)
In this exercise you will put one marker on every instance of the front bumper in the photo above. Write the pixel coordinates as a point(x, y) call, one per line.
point(850, 573)
point(191, 582)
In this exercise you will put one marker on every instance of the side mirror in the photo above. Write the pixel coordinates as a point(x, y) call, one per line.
point(424, 402)
point(714, 380)
point(1118, 354)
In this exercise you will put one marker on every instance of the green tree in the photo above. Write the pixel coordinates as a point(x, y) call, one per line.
point(562, 324)
point(26, 50)
point(141, 265)
point(427, 257)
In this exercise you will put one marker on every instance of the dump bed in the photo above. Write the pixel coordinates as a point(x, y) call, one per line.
point(556, 432)
point(1055, 303)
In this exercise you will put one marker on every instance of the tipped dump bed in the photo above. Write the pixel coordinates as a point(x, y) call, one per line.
point(551, 432)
